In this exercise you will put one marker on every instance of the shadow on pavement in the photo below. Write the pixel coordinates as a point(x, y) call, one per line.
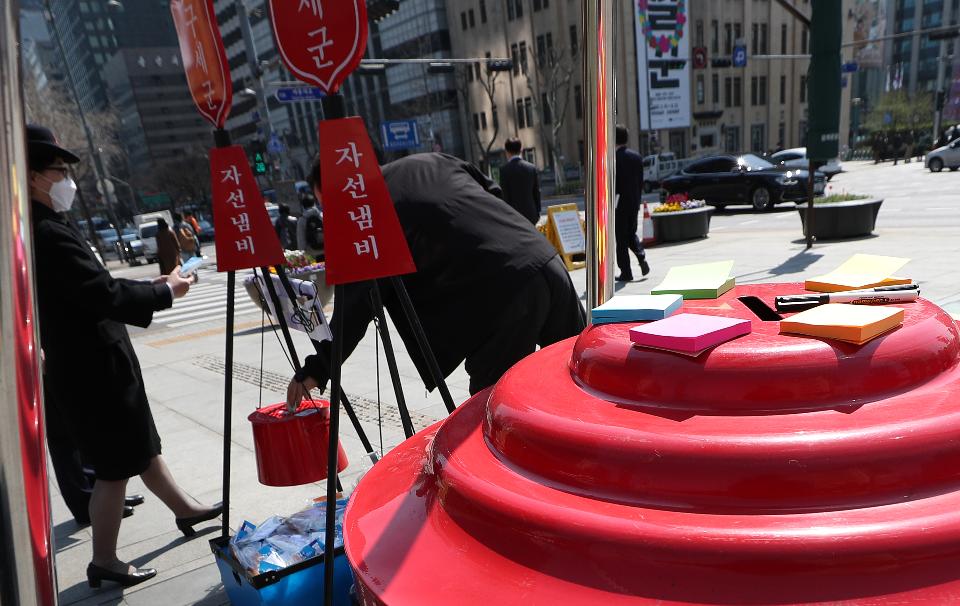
point(826, 240)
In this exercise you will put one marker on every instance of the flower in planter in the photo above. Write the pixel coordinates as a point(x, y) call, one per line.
point(678, 202)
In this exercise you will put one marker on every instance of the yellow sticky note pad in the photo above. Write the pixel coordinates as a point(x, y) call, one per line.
point(860, 271)
point(844, 322)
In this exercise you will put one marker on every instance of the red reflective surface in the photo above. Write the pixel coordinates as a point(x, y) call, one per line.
point(773, 469)
point(34, 458)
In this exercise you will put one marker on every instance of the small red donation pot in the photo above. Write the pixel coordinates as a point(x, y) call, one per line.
point(772, 469)
point(291, 449)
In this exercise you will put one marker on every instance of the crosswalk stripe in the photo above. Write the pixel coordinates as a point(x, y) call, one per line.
point(177, 311)
point(214, 310)
point(238, 312)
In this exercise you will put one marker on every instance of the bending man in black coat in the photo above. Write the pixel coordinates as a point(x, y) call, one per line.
point(91, 370)
point(629, 188)
point(488, 287)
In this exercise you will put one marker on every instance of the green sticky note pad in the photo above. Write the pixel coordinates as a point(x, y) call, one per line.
point(699, 281)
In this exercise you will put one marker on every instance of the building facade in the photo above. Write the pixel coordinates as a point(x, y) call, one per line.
point(755, 108)
point(158, 121)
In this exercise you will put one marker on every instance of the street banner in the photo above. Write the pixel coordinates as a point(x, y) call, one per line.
point(663, 62)
point(245, 236)
point(364, 239)
point(320, 41)
point(204, 58)
point(305, 313)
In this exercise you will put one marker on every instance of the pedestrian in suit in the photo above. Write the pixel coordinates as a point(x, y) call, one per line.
point(168, 247)
point(520, 182)
point(91, 368)
point(488, 287)
point(629, 188)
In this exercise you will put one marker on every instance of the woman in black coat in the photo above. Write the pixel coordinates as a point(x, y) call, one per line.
point(91, 367)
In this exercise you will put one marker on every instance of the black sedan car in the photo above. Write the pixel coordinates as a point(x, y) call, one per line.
point(745, 179)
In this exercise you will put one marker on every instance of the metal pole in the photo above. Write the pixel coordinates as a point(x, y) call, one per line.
point(598, 131)
point(221, 138)
point(26, 537)
point(809, 211)
point(98, 171)
point(253, 60)
point(333, 108)
point(941, 69)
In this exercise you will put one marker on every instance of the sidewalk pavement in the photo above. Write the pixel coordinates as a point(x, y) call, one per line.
point(184, 378)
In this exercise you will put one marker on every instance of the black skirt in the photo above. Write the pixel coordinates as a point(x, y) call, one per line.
point(103, 397)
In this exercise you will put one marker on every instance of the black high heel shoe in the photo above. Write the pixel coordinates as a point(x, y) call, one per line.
point(186, 524)
point(96, 574)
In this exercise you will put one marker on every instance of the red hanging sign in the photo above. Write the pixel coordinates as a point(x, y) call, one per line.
point(320, 41)
point(245, 236)
point(204, 58)
point(363, 236)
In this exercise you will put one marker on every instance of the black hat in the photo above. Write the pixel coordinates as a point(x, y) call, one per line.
point(43, 146)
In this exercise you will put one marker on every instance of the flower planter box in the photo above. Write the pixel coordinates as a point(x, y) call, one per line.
point(842, 219)
point(682, 225)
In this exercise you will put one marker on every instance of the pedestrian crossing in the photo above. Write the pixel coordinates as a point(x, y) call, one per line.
point(206, 303)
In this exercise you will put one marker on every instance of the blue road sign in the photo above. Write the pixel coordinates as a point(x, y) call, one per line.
point(299, 93)
point(274, 146)
point(399, 134)
point(740, 56)
point(849, 67)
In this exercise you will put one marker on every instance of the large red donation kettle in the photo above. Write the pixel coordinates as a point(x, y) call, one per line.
point(773, 469)
point(291, 449)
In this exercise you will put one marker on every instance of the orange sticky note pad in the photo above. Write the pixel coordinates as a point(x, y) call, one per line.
point(851, 323)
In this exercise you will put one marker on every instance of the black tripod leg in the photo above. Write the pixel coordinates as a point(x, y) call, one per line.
point(281, 319)
point(391, 361)
point(425, 348)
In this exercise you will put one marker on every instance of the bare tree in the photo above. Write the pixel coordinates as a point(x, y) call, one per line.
point(488, 82)
point(552, 74)
point(54, 108)
point(185, 178)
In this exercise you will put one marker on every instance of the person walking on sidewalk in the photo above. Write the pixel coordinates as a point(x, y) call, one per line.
point(488, 287)
point(168, 247)
point(520, 182)
point(189, 243)
point(629, 189)
point(90, 364)
point(310, 228)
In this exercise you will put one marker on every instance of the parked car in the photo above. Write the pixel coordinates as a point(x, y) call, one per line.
point(947, 156)
point(797, 158)
point(206, 231)
point(745, 179)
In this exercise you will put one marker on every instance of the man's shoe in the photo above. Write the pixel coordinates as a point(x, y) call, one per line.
point(624, 278)
point(644, 267)
point(132, 500)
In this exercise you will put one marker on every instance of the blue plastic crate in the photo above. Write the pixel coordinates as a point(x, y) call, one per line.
point(298, 584)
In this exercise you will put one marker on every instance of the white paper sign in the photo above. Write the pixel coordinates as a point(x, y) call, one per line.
point(663, 63)
point(304, 314)
point(570, 232)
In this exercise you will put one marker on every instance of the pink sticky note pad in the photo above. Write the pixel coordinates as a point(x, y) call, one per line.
point(689, 332)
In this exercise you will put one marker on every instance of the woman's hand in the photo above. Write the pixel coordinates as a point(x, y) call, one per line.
point(299, 391)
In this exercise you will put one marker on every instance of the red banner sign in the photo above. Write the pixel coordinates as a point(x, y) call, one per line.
point(320, 41)
point(245, 236)
point(363, 236)
point(204, 58)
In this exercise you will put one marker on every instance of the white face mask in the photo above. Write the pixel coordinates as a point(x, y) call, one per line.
point(62, 193)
